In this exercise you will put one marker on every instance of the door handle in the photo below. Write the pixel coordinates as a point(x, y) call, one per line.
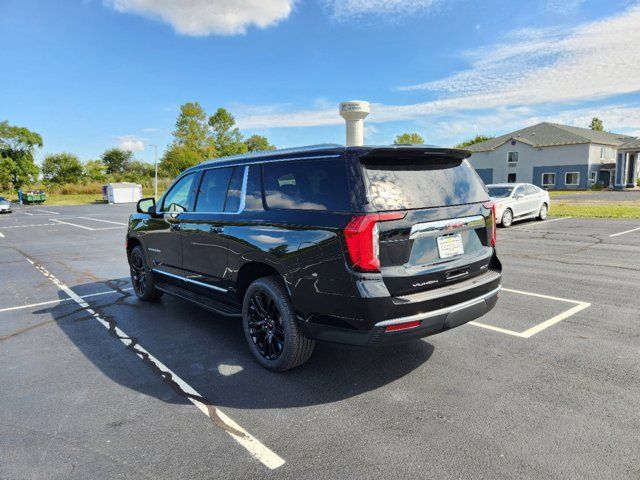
point(216, 229)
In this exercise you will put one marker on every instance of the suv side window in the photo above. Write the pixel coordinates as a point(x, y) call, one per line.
point(213, 190)
point(177, 199)
point(232, 204)
point(312, 185)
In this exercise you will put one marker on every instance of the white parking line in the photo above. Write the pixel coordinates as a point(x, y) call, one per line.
point(24, 213)
point(259, 451)
point(579, 306)
point(25, 226)
point(82, 226)
point(105, 221)
point(47, 211)
point(60, 300)
point(1, 235)
point(627, 231)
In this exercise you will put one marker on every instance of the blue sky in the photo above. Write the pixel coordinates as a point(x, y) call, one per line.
point(93, 74)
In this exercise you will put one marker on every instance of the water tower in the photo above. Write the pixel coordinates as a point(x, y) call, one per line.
point(354, 113)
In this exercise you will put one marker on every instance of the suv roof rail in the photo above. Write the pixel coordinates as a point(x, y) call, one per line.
point(279, 151)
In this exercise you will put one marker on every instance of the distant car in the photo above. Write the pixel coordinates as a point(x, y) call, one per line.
point(519, 201)
point(5, 205)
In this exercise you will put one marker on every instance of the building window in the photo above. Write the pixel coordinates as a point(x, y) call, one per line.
point(511, 178)
point(572, 178)
point(601, 152)
point(512, 158)
point(548, 179)
point(594, 177)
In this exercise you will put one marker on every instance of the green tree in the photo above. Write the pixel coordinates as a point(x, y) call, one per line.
point(471, 141)
point(596, 124)
point(19, 144)
point(6, 167)
point(95, 170)
point(409, 139)
point(258, 143)
point(226, 136)
point(116, 160)
point(176, 159)
point(192, 130)
point(61, 168)
point(138, 170)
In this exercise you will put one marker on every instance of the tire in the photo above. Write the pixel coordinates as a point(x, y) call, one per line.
point(544, 212)
point(271, 328)
point(142, 279)
point(507, 218)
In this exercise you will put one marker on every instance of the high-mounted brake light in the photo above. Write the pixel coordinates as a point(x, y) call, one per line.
point(361, 236)
point(494, 228)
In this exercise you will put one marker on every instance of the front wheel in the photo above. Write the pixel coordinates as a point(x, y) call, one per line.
point(544, 212)
point(507, 218)
point(141, 278)
point(271, 328)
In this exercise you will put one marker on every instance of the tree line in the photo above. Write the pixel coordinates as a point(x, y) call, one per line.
point(196, 137)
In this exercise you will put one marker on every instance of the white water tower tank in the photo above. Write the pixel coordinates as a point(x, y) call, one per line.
point(354, 113)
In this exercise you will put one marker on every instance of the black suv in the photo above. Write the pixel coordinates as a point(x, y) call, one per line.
point(357, 245)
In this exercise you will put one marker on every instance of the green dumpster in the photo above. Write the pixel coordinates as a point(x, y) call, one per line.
point(34, 197)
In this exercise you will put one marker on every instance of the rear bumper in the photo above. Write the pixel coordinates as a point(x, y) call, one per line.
point(430, 321)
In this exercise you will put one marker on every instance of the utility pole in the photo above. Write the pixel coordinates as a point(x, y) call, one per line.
point(155, 161)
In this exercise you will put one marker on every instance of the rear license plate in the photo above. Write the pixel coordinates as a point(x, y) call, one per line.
point(450, 246)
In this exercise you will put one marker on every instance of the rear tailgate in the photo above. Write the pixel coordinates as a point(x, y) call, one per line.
point(445, 235)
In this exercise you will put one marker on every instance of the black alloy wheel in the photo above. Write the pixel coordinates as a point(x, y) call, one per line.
point(141, 279)
point(265, 325)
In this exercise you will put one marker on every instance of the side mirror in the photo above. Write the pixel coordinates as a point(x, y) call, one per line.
point(146, 205)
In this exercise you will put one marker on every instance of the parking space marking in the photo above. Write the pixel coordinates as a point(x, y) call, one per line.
point(530, 332)
point(105, 221)
point(47, 211)
point(25, 226)
point(82, 226)
point(1, 235)
point(258, 450)
point(59, 300)
point(625, 232)
point(24, 213)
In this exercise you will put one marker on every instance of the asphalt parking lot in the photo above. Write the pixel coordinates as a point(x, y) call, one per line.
point(95, 384)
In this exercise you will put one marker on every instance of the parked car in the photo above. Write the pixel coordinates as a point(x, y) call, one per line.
point(519, 201)
point(358, 245)
point(5, 205)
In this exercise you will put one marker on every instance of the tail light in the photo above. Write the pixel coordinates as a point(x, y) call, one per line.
point(494, 228)
point(361, 236)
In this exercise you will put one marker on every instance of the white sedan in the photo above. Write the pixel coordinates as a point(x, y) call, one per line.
point(518, 201)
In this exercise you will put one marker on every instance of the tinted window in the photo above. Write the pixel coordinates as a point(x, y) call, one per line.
point(253, 197)
point(177, 200)
point(397, 184)
point(213, 190)
point(317, 185)
point(232, 203)
point(500, 192)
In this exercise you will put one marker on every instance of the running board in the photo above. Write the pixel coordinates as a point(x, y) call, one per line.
point(200, 300)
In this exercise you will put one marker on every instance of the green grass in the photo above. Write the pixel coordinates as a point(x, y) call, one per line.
point(561, 209)
point(562, 193)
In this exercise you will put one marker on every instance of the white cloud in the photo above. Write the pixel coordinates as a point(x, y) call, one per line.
point(131, 143)
point(209, 17)
point(351, 8)
point(564, 7)
point(534, 68)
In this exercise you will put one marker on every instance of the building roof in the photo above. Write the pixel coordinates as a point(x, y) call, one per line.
point(547, 134)
point(632, 144)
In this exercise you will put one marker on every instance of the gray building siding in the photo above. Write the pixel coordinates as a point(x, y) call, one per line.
point(560, 171)
point(486, 174)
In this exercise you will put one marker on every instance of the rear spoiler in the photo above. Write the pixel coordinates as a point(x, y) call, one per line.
point(411, 152)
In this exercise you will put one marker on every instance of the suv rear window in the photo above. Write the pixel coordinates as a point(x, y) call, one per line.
point(399, 184)
point(306, 185)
